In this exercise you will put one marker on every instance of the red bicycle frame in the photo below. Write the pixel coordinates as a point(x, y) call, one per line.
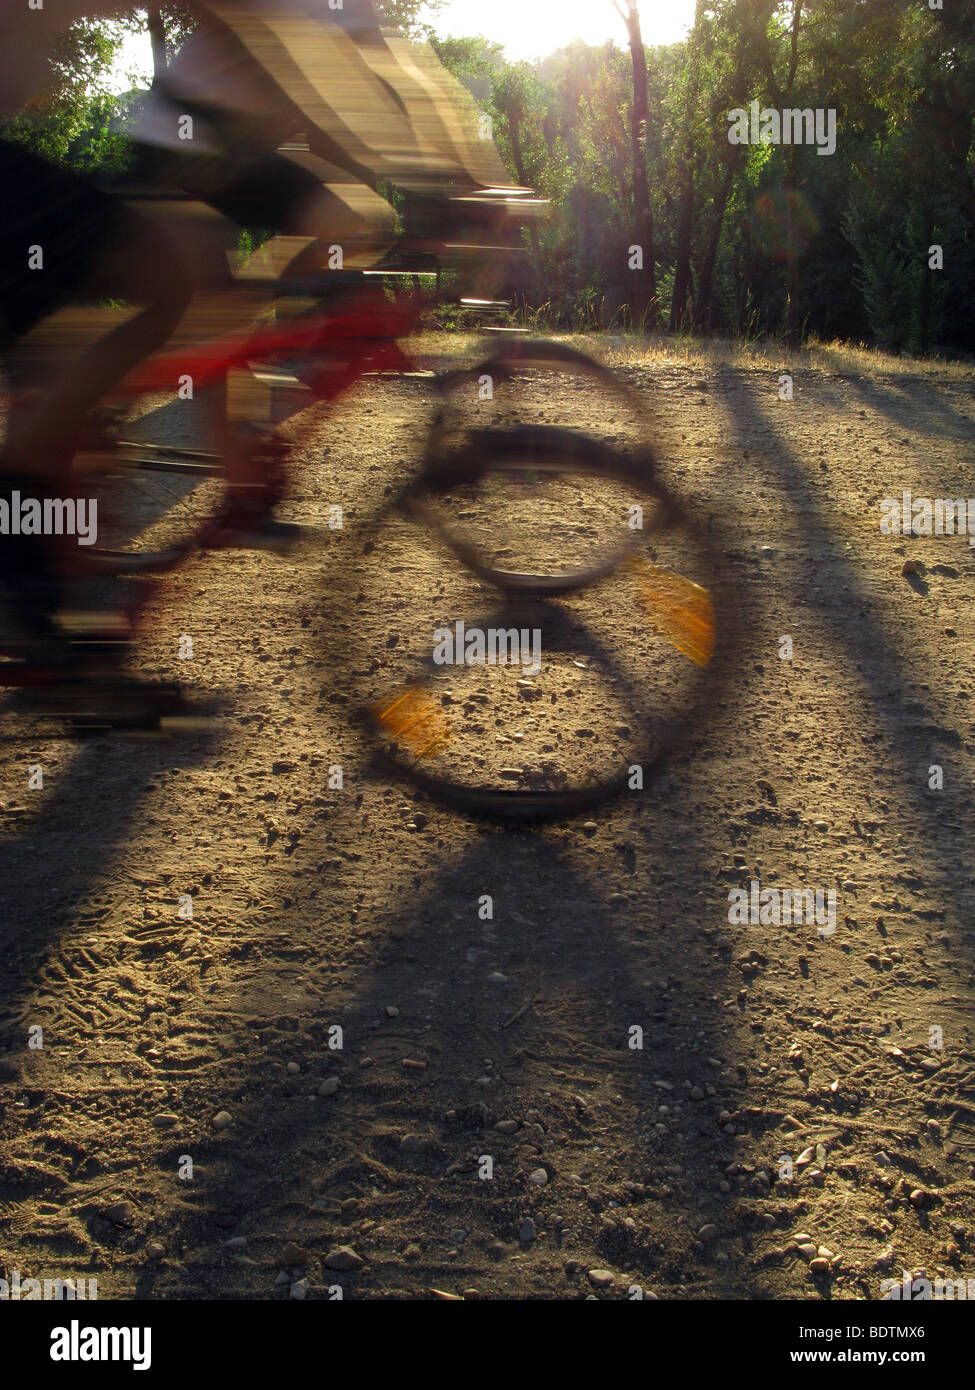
point(360, 338)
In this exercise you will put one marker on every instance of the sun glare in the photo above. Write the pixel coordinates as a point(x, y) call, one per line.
point(536, 28)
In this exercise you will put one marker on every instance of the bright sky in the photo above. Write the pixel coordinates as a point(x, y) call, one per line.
point(535, 28)
point(526, 28)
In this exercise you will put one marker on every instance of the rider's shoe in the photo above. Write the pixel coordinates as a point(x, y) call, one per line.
point(123, 704)
point(252, 531)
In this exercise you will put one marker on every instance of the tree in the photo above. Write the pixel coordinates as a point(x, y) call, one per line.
point(646, 310)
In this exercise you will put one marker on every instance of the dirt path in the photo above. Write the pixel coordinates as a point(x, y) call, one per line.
point(509, 1038)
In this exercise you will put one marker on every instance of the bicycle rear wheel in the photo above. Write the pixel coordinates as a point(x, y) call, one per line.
point(154, 500)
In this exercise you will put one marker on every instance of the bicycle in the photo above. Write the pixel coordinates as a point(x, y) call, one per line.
point(325, 352)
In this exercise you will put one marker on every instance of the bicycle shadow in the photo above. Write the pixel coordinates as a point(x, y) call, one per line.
point(559, 954)
point(527, 1019)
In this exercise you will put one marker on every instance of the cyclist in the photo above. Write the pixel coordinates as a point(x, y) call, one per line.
point(254, 75)
point(82, 243)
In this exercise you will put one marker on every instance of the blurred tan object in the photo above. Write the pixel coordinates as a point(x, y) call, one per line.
point(358, 219)
point(367, 97)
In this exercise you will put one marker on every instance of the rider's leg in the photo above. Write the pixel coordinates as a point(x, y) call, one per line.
point(60, 238)
point(136, 263)
point(285, 194)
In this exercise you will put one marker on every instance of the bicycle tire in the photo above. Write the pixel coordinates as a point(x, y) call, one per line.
point(543, 448)
point(514, 805)
point(156, 472)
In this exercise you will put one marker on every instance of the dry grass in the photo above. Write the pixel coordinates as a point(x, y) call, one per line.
point(630, 350)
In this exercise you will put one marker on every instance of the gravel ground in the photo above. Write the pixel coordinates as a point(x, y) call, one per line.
point(300, 1037)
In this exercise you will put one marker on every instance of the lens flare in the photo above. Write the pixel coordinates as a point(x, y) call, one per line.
point(413, 720)
point(679, 610)
point(772, 216)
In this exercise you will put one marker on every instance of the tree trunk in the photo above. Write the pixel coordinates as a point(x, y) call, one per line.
point(744, 282)
point(646, 309)
point(704, 312)
point(790, 327)
point(689, 168)
point(514, 132)
point(157, 37)
point(682, 270)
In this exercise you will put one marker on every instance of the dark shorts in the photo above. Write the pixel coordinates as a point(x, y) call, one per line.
point(67, 216)
point(262, 192)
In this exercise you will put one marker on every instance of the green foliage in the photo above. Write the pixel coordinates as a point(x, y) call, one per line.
point(758, 240)
point(885, 278)
point(79, 121)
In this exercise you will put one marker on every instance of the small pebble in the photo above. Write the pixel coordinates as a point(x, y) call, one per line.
point(538, 1177)
point(296, 1254)
point(222, 1119)
point(416, 1144)
point(526, 1233)
point(329, 1086)
point(344, 1258)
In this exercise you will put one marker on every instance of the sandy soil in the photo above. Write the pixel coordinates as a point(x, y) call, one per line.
point(510, 1038)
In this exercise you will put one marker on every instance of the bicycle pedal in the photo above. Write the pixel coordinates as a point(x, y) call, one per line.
point(96, 707)
point(277, 536)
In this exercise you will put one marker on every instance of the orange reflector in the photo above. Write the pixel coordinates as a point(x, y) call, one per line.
point(414, 720)
point(679, 610)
